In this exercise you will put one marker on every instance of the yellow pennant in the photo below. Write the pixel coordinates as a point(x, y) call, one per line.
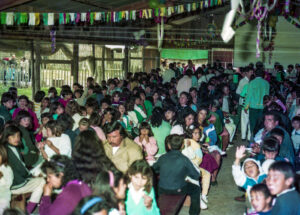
point(37, 18)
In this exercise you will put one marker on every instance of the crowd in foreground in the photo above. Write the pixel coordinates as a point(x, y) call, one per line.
point(113, 147)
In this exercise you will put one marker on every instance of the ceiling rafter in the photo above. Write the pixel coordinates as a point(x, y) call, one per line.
point(8, 4)
point(93, 4)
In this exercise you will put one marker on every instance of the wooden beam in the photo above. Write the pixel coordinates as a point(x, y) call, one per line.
point(126, 61)
point(37, 73)
point(75, 66)
point(56, 61)
point(32, 69)
point(94, 4)
point(8, 4)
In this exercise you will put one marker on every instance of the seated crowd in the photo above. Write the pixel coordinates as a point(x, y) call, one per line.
point(112, 148)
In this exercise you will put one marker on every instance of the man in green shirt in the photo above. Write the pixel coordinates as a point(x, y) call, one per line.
point(257, 89)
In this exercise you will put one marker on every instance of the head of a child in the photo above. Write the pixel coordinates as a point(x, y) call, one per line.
point(116, 96)
point(11, 135)
point(7, 100)
point(59, 170)
point(140, 175)
point(39, 95)
point(78, 93)
point(174, 142)
point(92, 205)
point(46, 117)
point(67, 94)
point(95, 119)
point(251, 168)
point(111, 185)
point(122, 109)
point(145, 129)
point(45, 102)
point(23, 101)
point(261, 198)
point(270, 147)
point(84, 124)
point(24, 119)
point(53, 129)
point(56, 108)
point(281, 177)
point(194, 133)
point(296, 123)
point(278, 134)
point(82, 111)
point(105, 103)
point(91, 105)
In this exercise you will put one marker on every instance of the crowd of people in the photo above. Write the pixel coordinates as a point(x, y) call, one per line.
point(114, 147)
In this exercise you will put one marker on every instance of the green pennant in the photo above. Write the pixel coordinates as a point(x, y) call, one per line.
point(45, 18)
point(67, 18)
point(61, 18)
point(3, 18)
point(23, 18)
point(92, 15)
point(17, 18)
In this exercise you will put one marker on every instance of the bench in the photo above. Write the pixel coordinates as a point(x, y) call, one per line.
point(170, 204)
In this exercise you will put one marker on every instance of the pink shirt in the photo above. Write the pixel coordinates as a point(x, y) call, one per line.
point(150, 148)
point(64, 102)
point(99, 132)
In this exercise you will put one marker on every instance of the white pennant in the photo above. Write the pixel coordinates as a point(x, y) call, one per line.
point(10, 18)
point(31, 19)
point(98, 16)
point(72, 17)
point(83, 17)
point(50, 18)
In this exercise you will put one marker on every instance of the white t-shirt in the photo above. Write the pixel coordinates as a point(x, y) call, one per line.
point(63, 143)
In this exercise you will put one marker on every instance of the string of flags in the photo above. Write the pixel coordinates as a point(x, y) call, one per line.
point(48, 19)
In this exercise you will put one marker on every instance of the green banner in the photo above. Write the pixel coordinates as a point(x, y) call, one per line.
point(184, 54)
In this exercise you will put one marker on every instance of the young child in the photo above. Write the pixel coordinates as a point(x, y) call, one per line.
point(193, 151)
point(83, 125)
point(42, 132)
point(124, 118)
point(6, 180)
point(92, 205)
point(261, 200)
point(296, 133)
point(140, 196)
point(82, 111)
point(56, 143)
point(56, 109)
point(38, 97)
point(147, 142)
point(249, 174)
point(94, 122)
point(23, 182)
point(280, 182)
point(111, 186)
point(66, 97)
point(173, 165)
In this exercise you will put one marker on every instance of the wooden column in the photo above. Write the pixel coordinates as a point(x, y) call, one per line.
point(75, 63)
point(37, 73)
point(126, 61)
point(32, 69)
point(144, 63)
point(103, 63)
point(94, 64)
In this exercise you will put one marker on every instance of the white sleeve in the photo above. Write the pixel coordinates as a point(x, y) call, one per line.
point(177, 129)
point(7, 178)
point(64, 145)
point(238, 176)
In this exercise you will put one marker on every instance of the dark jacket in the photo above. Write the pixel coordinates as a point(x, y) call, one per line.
point(21, 174)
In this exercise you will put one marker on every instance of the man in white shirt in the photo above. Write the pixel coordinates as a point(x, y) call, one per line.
point(168, 74)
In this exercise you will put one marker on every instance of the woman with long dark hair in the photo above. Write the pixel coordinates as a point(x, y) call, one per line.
point(62, 174)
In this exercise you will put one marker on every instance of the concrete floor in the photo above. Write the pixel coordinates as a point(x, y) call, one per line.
point(221, 197)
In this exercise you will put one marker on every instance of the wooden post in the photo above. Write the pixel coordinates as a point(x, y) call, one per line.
point(75, 63)
point(103, 63)
point(37, 73)
point(158, 59)
point(94, 64)
point(144, 63)
point(32, 69)
point(126, 60)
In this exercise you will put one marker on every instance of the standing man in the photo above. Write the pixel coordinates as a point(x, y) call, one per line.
point(257, 89)
point(243, 117)
point(121, 150)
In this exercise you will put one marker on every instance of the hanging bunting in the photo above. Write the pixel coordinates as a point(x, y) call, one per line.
point(32, 19)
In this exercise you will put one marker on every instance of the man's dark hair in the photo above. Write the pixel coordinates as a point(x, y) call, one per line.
point(175, 141)
point(260, 73)
point(274, 114)
point(115, 126)
point(284, 167)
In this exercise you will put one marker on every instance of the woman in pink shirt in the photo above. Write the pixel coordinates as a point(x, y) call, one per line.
point(147, 141)
point(94, 122)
